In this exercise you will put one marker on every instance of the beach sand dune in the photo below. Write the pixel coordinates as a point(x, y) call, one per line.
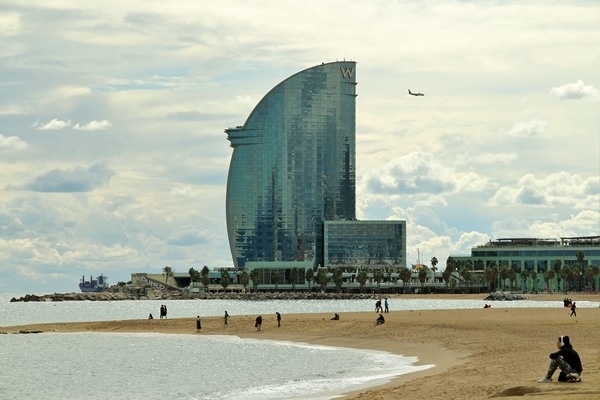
point(479, 354)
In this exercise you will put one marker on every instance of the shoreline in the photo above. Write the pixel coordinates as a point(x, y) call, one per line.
point(477, 353)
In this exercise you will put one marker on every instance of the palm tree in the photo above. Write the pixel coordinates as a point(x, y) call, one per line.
point(422, 277)
point(254, 276)
point(310, 276)
point(467, 275)
point(405, 275)
point(533, 277)
point(525, 277)
point(322, 279)
point(275, 277)
point(590, 274)
point(491, 273)
point(504, 274)
point(224, 279)
point(205, 282)
point(575, 271)
point(204, 278)
point(378, 277)
point(434, 262)
point(558, 269)
point(549, 276)
point(294, 277)
point(362, 279)
point(244, 279)
point(338, 279)
point(580, 258)
point(512, 275)
point(194, 275)
point(167, 273)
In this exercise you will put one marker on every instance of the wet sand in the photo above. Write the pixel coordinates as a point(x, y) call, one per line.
point(479, 354)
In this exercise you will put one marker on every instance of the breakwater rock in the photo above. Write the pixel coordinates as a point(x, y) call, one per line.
point(501, 296)
point(180, 295)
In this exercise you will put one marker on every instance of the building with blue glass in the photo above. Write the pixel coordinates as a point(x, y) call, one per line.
point(293, 169)
point(534, 264)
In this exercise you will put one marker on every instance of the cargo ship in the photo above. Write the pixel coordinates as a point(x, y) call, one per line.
point(94, 285)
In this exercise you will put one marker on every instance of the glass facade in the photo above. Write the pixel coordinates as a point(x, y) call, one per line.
point(365, 243)
point(540, 256)
point(293, 167)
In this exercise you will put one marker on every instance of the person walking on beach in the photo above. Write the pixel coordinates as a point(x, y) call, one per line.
point(378, 306)
point(162, 311)
point(258, 322)
point(225, 318)
point(165, 306)
point(278, 319)
point(386, 305)
point(198, 324)
point(573, 310)
point(567, 359)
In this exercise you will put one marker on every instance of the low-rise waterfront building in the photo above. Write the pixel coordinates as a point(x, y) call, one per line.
point(535, 265)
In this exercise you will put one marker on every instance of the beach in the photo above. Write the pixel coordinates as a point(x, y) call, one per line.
point(478, 353)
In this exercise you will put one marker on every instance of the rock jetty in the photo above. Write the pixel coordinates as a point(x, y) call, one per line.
point(181, 295)
point(502, 296)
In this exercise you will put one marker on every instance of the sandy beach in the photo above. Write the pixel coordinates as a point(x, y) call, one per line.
point(479, 354)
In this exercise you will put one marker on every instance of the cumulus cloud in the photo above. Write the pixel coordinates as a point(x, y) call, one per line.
point(413, 173)
point(93, 126)
point(184, 191)
point(528, 128)
point(53, 125)
point(12, 143)
point(186, 237)
point(72, 180)
point(575, 91)
point(556, 189)
point(486, 159)
point(584, 223)
point(468, 240)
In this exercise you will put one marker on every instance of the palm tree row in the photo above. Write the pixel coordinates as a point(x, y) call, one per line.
point(496, 277)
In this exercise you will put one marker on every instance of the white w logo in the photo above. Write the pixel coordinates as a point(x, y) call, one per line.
point(347, 72)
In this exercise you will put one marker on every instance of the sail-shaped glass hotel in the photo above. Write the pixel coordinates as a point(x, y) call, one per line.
point(293, 168)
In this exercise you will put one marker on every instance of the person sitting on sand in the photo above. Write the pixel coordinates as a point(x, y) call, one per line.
point(567, 359)
point(336, 317)
point(380, 320)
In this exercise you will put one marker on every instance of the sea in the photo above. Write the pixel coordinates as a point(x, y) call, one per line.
point(178, 366)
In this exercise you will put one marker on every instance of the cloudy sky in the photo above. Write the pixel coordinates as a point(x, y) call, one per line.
point(113, 158)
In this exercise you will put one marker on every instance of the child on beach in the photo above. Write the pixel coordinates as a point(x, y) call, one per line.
point(567, 359)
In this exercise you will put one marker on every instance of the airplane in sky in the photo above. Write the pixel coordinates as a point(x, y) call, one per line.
point(415, 94)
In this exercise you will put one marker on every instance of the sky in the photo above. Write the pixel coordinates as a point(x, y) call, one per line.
point(113, 157)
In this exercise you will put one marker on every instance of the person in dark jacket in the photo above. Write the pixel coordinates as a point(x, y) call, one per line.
point(567, 359)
